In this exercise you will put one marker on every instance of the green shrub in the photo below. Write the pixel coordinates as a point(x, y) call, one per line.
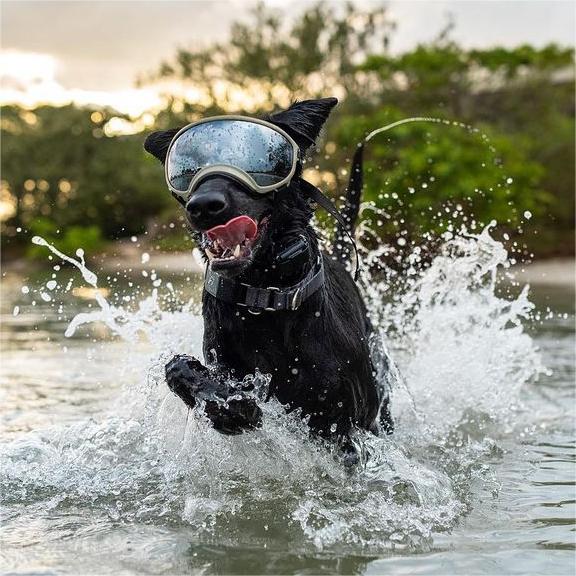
point(89, 238)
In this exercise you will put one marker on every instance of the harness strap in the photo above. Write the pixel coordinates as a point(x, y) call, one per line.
point(271, 298)
point(317, 196)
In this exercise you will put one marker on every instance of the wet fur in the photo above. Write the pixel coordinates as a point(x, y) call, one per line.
point(318, 355)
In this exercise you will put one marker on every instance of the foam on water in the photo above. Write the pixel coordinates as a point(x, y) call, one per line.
point(463, 355)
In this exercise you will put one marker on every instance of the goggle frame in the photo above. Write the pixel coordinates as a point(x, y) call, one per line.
point(237, 173)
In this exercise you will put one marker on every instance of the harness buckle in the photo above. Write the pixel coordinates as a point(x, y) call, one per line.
point(272, 289)
point(258, 311)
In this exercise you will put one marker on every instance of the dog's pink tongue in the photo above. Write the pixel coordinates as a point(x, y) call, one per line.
point(234, 231)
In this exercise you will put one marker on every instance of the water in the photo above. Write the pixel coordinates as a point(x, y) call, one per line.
point(103, 471)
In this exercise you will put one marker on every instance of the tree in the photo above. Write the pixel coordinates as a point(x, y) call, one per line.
point(265, 64)
point(524, 95)
point(60, 165)
point(66, 165)
point(522, 98)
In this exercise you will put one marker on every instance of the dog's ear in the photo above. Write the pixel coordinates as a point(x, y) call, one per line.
point(157, 143)
point(304, 120)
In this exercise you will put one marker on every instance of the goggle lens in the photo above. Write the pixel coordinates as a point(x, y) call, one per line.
point(266, 155)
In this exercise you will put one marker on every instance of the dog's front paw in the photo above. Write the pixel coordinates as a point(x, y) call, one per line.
point(183, 362)
point(181, 376)
point(189, 379)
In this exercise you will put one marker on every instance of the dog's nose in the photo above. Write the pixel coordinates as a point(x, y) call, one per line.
point(206, 204)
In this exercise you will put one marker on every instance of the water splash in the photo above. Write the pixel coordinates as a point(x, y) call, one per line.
point(128, 325)
point(464, 357)
point(88, 275)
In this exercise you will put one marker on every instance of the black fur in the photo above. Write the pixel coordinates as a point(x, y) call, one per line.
point(157, 143)
point(304, 120)
point(319, 355)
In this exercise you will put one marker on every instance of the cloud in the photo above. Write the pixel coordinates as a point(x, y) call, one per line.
point(82, 51)
point(20, 70)
point(104, 45)
point(484, 23)
point(29, 78)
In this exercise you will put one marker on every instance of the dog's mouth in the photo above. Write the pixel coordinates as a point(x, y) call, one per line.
point(233, 243)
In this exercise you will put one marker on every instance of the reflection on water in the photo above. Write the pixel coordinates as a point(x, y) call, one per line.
point(103, 471)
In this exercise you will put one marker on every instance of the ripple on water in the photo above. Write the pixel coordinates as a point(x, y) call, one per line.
point(150, 478)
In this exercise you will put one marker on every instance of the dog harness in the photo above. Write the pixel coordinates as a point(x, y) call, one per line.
point(273, 299)
point(270, 299)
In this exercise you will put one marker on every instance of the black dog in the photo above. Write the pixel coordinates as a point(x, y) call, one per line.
point(317, 349)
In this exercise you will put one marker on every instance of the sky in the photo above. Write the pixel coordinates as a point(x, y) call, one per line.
point(92, 51)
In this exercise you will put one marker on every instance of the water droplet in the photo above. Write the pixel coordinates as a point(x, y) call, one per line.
point(145, 257)
point(25, 289)
point(39, 241)
point(16, 311)
point(527, 214)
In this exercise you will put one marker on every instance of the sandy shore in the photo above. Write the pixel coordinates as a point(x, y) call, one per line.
point(171, 263)
point(556, 272)
point(559, 272)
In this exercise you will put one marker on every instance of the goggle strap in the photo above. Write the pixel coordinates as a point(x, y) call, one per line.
point(317, 196)
point(178, 198)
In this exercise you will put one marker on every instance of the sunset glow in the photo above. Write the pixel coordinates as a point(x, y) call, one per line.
point(30, 79)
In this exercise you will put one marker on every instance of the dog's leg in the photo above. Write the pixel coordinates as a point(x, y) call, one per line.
point(229, 406)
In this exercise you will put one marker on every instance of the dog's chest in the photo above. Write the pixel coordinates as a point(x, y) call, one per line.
point(271, 343)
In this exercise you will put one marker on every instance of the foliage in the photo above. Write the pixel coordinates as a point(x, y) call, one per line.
point(67, 165)
point(423, 177)
point(266, 64)
point(58, 163)
point(522, 98)
point(89, 238)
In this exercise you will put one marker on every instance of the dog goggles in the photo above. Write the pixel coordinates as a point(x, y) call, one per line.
point(254, 152)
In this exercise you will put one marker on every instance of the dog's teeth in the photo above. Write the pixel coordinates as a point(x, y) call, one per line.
point(210, 254)
point(237, 251)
